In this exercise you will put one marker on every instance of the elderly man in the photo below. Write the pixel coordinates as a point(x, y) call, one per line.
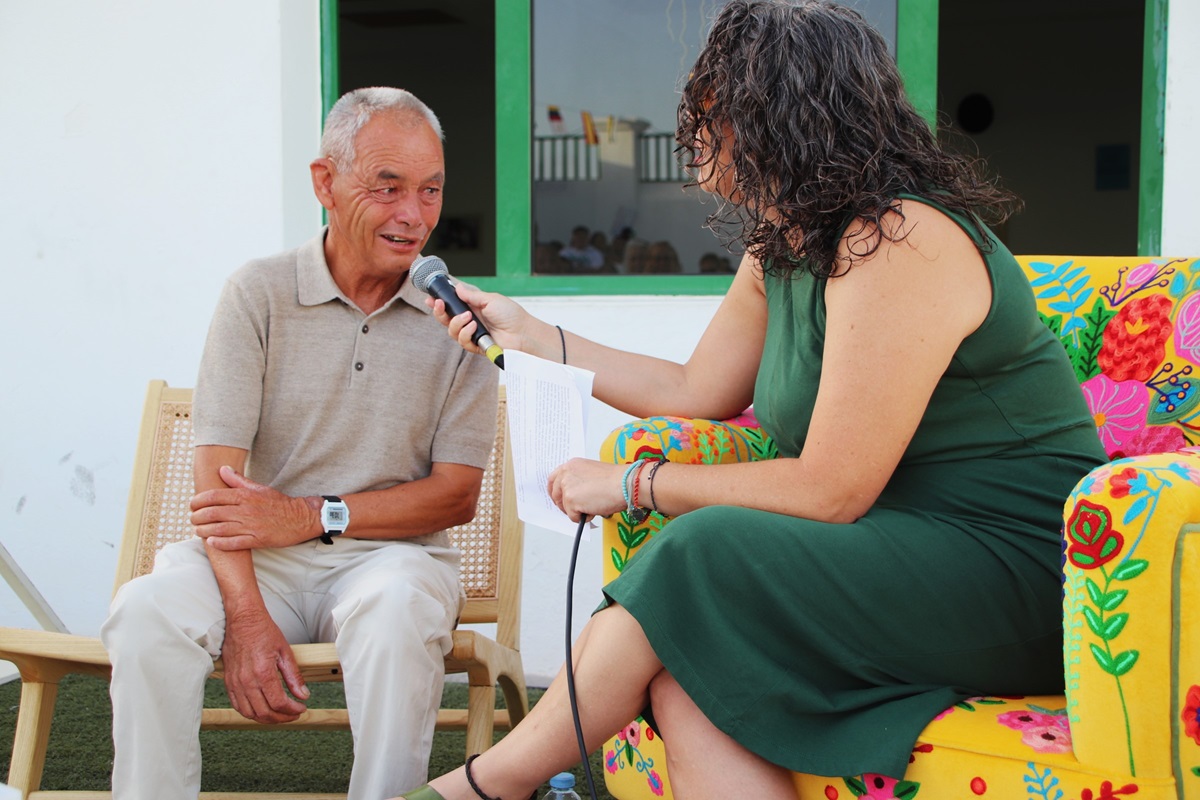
point(339, 433)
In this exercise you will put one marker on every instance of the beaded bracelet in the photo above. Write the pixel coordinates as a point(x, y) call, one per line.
point(635, 514)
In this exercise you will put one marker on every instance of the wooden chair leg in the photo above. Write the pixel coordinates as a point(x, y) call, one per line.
point(32, 735)
point(481, 717)
point(516, 698)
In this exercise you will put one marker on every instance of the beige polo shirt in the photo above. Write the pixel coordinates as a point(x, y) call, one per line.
point(329, 400)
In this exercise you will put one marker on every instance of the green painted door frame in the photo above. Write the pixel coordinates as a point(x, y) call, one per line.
point(1154, 107)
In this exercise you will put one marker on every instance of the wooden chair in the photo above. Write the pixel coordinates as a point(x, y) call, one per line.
point(158, 514)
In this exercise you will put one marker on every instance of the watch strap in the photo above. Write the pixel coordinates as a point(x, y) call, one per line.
point(328, 534)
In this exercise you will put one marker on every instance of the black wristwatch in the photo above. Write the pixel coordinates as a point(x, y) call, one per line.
point(335, 517)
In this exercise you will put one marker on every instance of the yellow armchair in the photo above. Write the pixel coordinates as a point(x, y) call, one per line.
point(1128, 724)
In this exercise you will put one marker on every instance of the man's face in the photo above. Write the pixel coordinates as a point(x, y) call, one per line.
point(384, 208)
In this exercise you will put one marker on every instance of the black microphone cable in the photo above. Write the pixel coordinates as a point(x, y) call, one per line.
point(583, 752)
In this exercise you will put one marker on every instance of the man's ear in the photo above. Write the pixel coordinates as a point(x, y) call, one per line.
point(322, 171)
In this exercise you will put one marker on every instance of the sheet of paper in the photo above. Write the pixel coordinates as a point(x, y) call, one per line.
point(547, 416)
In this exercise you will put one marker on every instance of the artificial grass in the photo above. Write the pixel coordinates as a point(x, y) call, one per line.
point(80, 752)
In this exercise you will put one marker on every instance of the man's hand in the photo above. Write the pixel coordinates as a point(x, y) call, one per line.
point(248, 515)
point(256, 657)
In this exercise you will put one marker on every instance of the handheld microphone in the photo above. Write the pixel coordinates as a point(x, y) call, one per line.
point(429, 274)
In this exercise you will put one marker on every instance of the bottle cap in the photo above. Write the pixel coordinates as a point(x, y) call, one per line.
point(563, 780)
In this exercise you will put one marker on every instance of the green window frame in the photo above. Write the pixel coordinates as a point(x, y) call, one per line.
point(916, 53)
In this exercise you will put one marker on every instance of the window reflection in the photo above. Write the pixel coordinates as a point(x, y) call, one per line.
point(609, 197)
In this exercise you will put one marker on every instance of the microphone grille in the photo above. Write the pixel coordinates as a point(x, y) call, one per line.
point(425, 269)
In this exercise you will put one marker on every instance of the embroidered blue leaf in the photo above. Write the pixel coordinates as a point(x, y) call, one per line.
point(1064, 306)
point(1052, 291)
point(1136, 509)
point(1130, 569)
point(1070, 276)
point(1073, 324)
point(1042, 267)
point(1178, 284)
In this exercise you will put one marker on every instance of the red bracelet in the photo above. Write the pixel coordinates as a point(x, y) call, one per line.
point(637, 480)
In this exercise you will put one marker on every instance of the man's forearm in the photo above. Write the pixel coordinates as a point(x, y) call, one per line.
point(234, 571)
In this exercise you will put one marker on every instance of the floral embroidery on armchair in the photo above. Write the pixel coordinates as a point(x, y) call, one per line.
point(1134, 348)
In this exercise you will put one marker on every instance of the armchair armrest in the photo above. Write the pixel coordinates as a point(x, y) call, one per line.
point(1131, 590)
point(681, 440)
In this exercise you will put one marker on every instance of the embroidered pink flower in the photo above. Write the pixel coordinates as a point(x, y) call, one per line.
point(611, 760)
point(656, 783)
point(1151, 439)
point(1118, 408)
point(1187, 328)
point(632, 734)
point(1044, 732)
point(746, 419)
point(881, 787)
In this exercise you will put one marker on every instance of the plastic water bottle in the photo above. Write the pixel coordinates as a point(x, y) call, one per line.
point(562, 787)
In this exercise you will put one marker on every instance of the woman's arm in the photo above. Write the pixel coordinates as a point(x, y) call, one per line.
point(716, 382)
point(894, 322)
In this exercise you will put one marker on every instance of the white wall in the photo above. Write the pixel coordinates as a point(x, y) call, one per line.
point(144, 147)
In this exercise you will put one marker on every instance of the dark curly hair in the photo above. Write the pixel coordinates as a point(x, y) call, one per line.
point(810, 107)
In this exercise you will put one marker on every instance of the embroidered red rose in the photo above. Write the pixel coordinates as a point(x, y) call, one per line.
point(1191, 714)
point(1091, 540)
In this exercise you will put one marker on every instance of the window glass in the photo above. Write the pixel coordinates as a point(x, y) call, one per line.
point(608, 195)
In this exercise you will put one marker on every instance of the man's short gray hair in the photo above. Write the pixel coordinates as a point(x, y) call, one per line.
point(354, 109)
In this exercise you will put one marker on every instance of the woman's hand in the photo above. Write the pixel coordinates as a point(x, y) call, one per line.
point(505, 320)
point(583, 487)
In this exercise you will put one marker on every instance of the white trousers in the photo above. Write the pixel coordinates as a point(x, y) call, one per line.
point(390, 608)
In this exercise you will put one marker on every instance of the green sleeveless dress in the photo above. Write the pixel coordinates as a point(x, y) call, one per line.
point(827, 648)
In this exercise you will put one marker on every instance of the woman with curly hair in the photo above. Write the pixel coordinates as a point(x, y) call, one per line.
point(814, 612)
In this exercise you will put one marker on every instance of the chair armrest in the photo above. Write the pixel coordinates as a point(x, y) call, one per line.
point(681, 440)
point(1131, 575)
point(46, 656)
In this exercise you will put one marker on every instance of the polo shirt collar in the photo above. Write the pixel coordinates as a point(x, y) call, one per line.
point(316, 284)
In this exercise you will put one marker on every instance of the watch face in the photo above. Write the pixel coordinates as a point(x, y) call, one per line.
point(335, 516)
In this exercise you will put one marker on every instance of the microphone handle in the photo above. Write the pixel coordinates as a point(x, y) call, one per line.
point(441, 288)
